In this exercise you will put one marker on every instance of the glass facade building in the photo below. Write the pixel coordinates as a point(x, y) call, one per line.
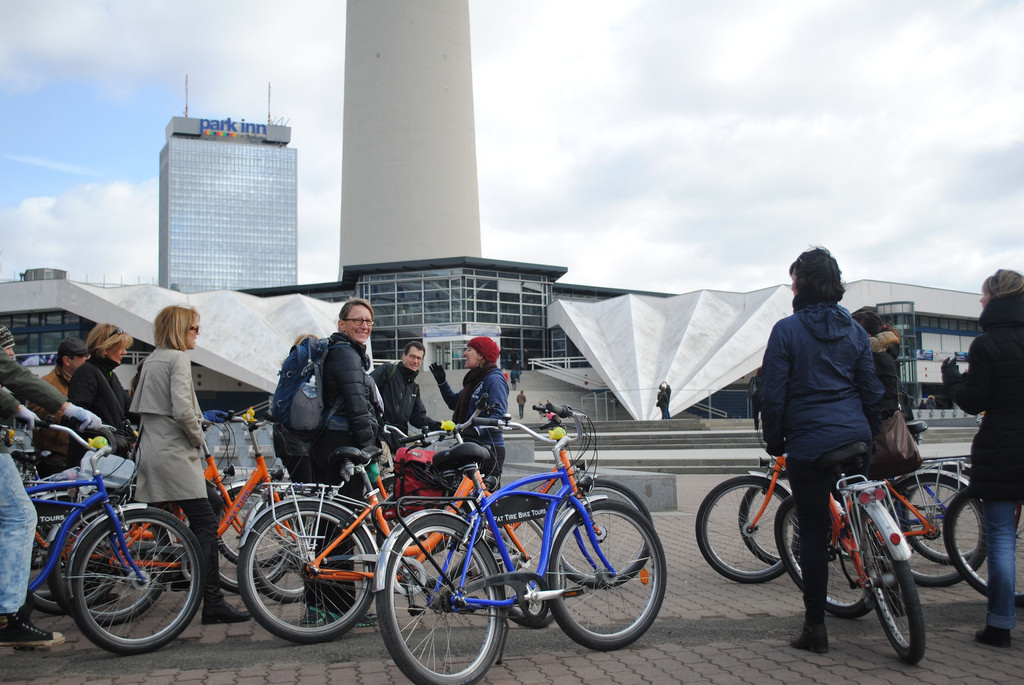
point(446, 302)
point(228, 206)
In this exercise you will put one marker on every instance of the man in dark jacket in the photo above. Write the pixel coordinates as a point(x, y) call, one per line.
point(403, 403)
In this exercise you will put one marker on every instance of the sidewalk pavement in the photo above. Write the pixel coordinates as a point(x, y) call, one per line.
point(710, 630)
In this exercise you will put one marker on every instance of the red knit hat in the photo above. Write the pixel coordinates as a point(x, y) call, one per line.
point(487, 348)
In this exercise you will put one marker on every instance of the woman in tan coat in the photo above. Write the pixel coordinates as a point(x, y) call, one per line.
point(170, 464)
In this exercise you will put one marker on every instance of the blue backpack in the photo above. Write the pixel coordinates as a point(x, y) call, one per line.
point(298, 403)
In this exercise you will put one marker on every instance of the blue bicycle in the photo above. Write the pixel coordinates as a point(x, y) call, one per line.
point(134, 574)
point(442, 602)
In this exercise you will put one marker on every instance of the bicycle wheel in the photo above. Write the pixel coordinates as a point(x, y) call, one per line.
point(285, 593)
point(930, 494)
point(966, 544)
point(730, 541)
point(433, 639)
point(617, 492)
point(112, 606)
point(603, 608)
point(844, 597)
point(894, 593)
point(227, 543)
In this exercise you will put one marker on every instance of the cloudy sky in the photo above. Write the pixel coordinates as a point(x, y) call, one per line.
point(660, 145)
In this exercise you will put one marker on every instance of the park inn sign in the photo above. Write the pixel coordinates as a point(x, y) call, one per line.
point(231, 129)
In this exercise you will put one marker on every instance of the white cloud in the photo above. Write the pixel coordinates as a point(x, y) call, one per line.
point(98, 233)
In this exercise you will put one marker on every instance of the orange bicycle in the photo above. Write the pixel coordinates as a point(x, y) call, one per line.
point(239, 505)
point(735, 522)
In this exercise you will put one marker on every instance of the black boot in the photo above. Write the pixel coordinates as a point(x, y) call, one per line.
point(996, 637)
point(222, 612)
point(215, 609)
point(812, 638)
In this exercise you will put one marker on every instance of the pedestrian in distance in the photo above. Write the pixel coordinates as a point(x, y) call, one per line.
point(664, 395)
point(170, 460)
point(992, 385)
point(521, 401)
point(819, 393)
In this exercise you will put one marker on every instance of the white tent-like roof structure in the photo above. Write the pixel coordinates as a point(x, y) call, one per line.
point(699, 342)
point(702, 342)
point(242, 336)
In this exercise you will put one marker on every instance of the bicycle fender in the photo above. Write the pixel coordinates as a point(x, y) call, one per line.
point(250, 519)
point(569, 511)
point(262, 509)
point(388, 548)
point(99, 520)
point(887, 527)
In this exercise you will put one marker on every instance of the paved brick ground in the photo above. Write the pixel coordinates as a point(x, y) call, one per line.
point(709, 630)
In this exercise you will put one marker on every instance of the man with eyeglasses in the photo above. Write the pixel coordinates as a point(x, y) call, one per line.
point(403, 403)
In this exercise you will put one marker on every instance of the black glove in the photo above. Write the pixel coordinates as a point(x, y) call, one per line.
point(433, 426)
point(437, 371)
point(775, 450)
point(949, 369)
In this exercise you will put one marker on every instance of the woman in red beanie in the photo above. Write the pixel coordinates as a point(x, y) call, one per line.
point(484, 377)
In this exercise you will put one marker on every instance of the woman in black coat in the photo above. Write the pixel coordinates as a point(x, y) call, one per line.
point(97, 388)
point(348, 385)
point(994, 384)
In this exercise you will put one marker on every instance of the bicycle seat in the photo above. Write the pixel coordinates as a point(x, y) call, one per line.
point(460, 455)
point(843, 460)
point(352, 454)
point(917, 427)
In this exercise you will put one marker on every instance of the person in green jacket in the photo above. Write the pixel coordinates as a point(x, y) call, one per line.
point(17, 515)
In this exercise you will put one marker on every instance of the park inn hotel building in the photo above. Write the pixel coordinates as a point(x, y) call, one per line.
point(228, 206)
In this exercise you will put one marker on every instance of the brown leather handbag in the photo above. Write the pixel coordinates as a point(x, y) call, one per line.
point(895, 452)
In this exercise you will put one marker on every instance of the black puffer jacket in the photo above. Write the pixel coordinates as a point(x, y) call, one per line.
point(994, 384)
point(97, 388)
point(347, 383)
point(401, 394)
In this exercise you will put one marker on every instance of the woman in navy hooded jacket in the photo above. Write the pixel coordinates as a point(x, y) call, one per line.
point(484, 377)
point(820, 393)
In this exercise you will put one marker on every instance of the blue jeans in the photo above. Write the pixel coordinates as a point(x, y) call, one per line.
point(18, 522)
point(664, 414)
point(1001, 532)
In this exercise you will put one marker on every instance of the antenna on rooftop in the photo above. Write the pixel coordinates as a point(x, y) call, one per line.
point(268, 102)
point(186, 95)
